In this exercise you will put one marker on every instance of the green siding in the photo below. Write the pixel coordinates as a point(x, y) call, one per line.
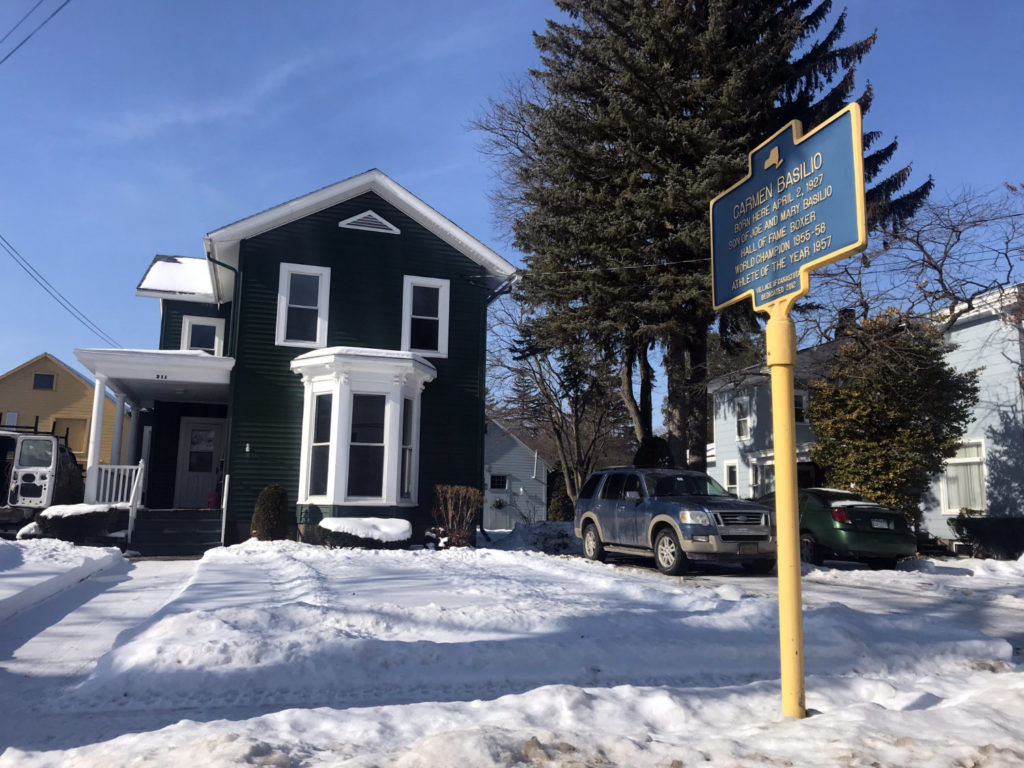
point(367, 270)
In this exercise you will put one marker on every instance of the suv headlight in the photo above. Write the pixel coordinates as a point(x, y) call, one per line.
point(694, 517)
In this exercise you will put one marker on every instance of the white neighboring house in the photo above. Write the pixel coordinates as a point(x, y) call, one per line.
point(986, 474)
point(515, 480)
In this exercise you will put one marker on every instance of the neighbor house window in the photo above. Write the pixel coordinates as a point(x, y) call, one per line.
point(425, 316)
point(303, 293)
point(762, 479)
point(320, 449)
point(203, 333)
point(742, 419)
point(963, 482)
point(499, 482)
point(42, 381)
point(366, 448)
point(799, 407)
point(732, 475)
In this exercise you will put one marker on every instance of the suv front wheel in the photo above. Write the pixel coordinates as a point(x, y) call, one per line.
point(593, 549)
point(668, 555)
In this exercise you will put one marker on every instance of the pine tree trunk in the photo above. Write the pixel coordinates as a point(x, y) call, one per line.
point(697, 392)
point(676, 399)
point(641, 426)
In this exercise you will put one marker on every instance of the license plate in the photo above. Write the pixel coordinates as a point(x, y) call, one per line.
point(748, 549)
point(877, 523)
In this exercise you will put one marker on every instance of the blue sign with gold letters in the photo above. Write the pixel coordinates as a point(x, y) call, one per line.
point(800, 207)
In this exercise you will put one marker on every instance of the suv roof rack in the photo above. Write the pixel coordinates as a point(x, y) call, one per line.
point(25, 429)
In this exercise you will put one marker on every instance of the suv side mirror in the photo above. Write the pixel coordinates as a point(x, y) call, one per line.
point(632, 495)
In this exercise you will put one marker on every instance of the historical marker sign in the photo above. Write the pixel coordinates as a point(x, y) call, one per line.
point(800, 207)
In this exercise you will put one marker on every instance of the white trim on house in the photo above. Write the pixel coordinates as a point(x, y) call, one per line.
point(370, 221)
point(190, 321)
point(408, 283)
point(345, 372)
point(223, 244)
point(323, 275)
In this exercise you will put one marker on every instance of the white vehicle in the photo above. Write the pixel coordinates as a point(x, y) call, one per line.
point(38, 470)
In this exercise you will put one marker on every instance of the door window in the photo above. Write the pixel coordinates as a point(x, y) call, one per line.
point(613, 487)
point(200, 450)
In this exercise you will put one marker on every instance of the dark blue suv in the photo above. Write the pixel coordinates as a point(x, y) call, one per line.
point(676, 515)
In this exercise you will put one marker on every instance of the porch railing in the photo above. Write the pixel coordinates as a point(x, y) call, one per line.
point(114, 482)
point(121, 484)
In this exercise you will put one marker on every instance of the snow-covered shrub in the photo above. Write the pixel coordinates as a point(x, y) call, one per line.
point(270, 518)
point(456, 509)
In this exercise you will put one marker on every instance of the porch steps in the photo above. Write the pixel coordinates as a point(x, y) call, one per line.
point(173, 532)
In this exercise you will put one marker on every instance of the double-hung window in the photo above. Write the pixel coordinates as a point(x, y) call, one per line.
point(963, 482)
point(425, 316)
point(320, 450)
point(742, 419)
point(366, 448)
point(732, 481)
point(303, 293)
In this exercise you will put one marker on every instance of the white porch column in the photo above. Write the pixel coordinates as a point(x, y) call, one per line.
point(134, 431)
point(115, 444)
point(95, 434)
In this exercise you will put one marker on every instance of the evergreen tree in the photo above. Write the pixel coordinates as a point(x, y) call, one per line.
point(640, 113)
point(890, 410)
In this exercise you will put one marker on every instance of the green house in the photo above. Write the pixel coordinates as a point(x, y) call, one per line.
point(333, 344)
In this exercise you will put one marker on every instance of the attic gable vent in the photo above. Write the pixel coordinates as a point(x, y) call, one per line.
point(371, 222)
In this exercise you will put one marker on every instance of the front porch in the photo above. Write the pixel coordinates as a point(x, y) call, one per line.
point(176, 451)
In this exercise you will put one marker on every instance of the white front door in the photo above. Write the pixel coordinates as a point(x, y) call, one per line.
point(200, 451)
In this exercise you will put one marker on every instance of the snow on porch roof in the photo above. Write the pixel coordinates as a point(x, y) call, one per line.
point(177, 277)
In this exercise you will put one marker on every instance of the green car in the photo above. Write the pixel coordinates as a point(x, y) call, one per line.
point(844, 526)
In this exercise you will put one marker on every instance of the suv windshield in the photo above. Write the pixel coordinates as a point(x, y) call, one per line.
point(680, 484)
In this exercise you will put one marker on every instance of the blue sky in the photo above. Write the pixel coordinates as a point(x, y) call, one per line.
point(134, 128)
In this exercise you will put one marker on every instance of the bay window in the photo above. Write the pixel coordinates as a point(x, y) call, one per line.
point(360, 426)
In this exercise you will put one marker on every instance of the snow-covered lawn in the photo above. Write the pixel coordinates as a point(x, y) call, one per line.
point(290, 655)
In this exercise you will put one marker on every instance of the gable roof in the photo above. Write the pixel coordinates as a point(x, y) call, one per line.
point(184, 278)
point(492, 422)
point(222, 244)
point(90, 383)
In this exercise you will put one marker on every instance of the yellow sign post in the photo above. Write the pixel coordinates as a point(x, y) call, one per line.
point(800, 207)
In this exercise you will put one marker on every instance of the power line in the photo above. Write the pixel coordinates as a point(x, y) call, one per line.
point(56, 295)
point(21, 20)
point(30, 34)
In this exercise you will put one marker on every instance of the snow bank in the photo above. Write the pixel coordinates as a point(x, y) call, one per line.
point(387, 529)
point(285, 624)
point(34, 569)
point(73, 510)
point(553, 538)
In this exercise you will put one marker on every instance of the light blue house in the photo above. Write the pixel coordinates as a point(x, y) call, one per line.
point(987, 472)
point(515, 480)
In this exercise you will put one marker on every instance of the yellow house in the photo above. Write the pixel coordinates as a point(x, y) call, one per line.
point(49, 395)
